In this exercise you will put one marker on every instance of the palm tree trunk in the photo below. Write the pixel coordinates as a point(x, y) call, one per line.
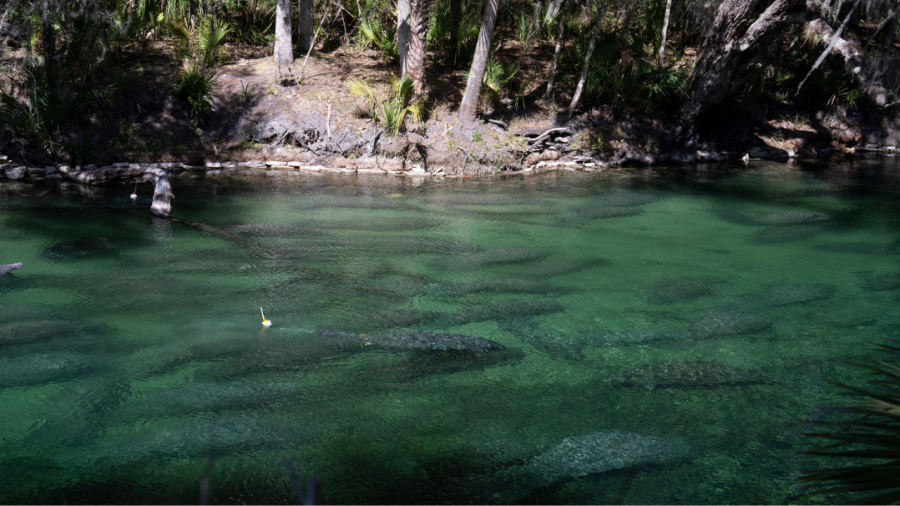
point(455, 20)
point(665, 28)
point(415, 65)
point(284, 54)
point(469, 105)
point(560, 38)
point(306, 25)
point(403, 34)
point(587, 60)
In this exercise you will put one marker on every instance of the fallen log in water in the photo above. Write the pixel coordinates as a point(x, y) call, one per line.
point(162, 193)
point(4, 269)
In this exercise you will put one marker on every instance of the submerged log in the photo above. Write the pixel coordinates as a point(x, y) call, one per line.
point(162, 193)
point(4, 269)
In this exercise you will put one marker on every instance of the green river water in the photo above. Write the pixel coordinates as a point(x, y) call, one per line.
point(133, 362)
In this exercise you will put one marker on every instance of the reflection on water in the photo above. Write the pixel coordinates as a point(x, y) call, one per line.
point(566, 338)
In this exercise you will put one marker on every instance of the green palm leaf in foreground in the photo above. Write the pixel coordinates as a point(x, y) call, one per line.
point(871, 438)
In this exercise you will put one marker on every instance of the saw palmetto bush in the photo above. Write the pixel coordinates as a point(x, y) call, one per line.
point(864, 442)
point(389, 109)
point(199, 47)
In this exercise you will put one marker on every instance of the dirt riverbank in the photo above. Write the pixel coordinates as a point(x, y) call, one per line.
point(315, 122)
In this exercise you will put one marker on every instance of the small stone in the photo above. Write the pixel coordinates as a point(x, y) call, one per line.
point(16, 173)
point(119, 164)
point(36, 172)
point(3, 158)
point(294, 164)
point(213, 165)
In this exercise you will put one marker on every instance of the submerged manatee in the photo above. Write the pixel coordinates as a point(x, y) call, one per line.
point(784, 233)
point(792, 218)
point(554, 344)
point(407, 341)
point(785, 218)
point(497, 256)
point(399, 224)
point(720, 323)
point(861, 248)
point(29, 370)
point(78, 248)
point(495, 285)
point(680, 290)
point(400, 318)
point(622, 199)
point(197, 438)
point(31, 331)
point(786, 295)
point(554, 266)
point(272, 230)
point(368, 203)
point(635, 337)
point(591, 453)
point(692, 373)
point(883, 282)
point(208, 396)
point(595, 213)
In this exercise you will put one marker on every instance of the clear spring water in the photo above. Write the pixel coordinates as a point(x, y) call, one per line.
point(133, 362)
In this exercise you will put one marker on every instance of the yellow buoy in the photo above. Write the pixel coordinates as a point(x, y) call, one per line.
point(266, 323)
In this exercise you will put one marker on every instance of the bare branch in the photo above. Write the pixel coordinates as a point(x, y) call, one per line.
point(834, 40)
point(854, 61)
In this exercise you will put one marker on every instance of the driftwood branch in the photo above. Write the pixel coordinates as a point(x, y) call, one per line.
point(5, 269)
point(162, 192)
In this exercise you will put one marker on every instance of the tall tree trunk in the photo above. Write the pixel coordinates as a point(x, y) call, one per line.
point(535, 26)
point(665, 29)
point(455, 21)
point(469, 105)
point(305, 25)
point(729, 47)
point(415, 65)
point(284, 53)
point(403, 34)
point(587, 60)
point(560, 39)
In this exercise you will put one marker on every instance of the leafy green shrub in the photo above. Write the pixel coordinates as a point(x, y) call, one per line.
point(388, 109)
point(497, 78)
point(35, 110)
point(195, 87)
point(458, 41)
